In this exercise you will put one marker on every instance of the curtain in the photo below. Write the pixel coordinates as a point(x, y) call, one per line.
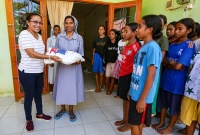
point(57, 10)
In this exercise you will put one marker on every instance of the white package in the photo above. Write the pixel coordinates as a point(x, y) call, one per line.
point(67, 57)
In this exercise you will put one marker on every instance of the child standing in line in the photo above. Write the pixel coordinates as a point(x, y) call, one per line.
point(173, 78)
point(51, 42)
point(196, 41)
point(110, 57)
point(145, 74)
point(196, 38)
point(117, 66)
point(163, 42)
point(126, 69)
point(170, 32)
point(190, 108)
point(97, 60)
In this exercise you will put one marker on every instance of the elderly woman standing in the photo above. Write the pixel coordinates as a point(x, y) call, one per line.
point(69, 84)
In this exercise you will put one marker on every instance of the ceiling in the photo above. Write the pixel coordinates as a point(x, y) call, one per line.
point(81, 10)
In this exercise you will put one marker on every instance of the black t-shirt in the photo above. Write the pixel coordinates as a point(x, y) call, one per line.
point(99, 45)
point(111, 52)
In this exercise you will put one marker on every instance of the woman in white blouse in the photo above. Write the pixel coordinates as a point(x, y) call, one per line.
point(51, 43)
point(31, 68)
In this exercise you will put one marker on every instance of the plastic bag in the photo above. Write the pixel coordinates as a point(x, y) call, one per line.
point(68, 57)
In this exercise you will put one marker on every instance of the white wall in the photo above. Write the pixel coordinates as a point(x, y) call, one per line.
point(6, 80)
point(91, 22)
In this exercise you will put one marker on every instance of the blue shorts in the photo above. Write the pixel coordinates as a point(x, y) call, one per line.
point(169, 101)
point(98, 64)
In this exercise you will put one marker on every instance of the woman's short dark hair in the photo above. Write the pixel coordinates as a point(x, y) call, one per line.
point(30, 15)
point(189, 24)
point(69, 17)
point(154, 21)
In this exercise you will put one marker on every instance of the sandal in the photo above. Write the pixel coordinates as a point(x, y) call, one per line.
point(59, 115)
point(72, 117)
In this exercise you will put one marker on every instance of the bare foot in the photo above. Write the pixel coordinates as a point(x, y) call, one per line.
point(182, 131)
point(111, 92)
point(165, 131)
point(116, 96)
point(107, 92)
point(120, 123)
point(96, 90)
point(157, 126)
point(124, 128)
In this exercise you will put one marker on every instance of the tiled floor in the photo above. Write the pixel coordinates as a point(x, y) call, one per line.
point(95, 116)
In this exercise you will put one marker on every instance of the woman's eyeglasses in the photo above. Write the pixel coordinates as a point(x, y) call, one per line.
point(36, 22)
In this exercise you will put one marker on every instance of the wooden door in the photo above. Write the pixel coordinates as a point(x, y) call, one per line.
point(16, 11)
point(125, 6)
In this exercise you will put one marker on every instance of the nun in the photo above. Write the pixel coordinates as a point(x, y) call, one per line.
point(69, 84)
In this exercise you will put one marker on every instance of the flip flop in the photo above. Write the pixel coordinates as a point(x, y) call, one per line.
point(72, 117)
point(59, 114)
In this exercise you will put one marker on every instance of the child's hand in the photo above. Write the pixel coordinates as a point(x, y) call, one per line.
point(92, 61)
point(140, 106)
point(128, 96)
point(172, 62)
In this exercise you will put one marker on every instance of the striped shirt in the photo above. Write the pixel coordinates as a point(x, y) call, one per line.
point(28, 64)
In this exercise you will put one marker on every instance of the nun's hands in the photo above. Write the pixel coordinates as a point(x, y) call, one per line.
point(77, 63)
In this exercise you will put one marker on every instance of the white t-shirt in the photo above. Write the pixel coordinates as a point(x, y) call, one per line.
point(28, 64)
point(192, 86)
point(120, 47)
point(197, 44)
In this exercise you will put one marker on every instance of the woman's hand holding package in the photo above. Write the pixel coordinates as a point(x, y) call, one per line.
point(56, 58)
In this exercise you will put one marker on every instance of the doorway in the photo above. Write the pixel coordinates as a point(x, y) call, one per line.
point(104, 15)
